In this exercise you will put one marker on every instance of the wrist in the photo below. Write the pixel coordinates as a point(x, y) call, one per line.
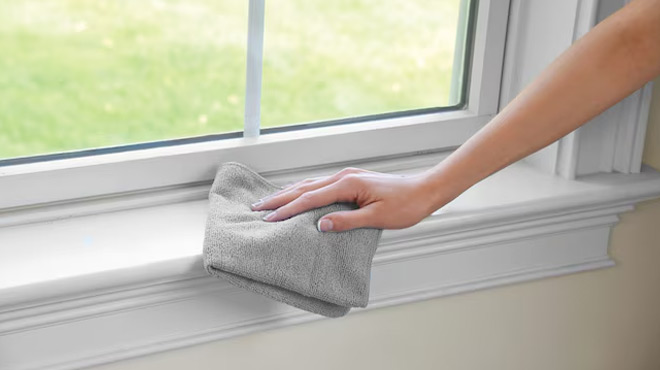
point(435, 186)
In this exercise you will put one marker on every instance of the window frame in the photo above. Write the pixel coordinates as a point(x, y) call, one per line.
point(193, 164)
point(612, 141)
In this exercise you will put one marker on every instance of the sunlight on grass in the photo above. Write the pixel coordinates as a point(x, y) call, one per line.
point(337, 59)
point(89, 73)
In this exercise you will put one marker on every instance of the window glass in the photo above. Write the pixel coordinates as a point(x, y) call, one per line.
point(85, 74)
point(81, 74)
point(342, 58)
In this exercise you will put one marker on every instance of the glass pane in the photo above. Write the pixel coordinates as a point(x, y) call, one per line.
point(81, 74)
point(337, 59)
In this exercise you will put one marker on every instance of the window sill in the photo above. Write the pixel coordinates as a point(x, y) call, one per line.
point(106, 286)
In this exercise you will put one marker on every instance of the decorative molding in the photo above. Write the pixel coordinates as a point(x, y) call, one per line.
point(568, 146)
point(118, 314)
point(613, 140)
point(202, 309)
point(631, 131)
point(538, 32)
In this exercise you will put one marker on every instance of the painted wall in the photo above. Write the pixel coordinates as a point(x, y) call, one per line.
point(604, 319)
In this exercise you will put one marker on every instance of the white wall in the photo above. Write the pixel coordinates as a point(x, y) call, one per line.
point(603, 319)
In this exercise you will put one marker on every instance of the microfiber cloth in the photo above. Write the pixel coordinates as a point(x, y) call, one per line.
point(288, 260)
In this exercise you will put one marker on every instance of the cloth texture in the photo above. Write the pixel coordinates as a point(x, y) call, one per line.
point(289, 260)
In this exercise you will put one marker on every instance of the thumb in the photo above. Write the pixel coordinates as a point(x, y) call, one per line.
point(346, 220)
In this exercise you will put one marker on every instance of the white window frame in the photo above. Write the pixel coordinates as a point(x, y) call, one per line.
point(189, 165)
point(547, 215)
point(611, 142)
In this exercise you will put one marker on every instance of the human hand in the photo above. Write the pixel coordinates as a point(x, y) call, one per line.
point(386, 201)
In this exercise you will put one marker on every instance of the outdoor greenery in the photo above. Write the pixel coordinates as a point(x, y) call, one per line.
point(79, 74)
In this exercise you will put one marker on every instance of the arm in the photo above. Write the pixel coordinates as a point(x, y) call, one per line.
point(610, 62)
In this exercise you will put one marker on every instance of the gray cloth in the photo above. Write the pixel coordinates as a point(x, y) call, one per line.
point(289, 260)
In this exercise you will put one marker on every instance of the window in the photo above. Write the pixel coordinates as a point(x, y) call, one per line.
point(90, 74)
point(116, 96)
point(93, 74)
point(135, 275)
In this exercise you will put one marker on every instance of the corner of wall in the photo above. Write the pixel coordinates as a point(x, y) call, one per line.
point(651, 155)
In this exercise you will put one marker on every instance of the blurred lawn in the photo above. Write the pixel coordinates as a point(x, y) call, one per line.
point(88, 73)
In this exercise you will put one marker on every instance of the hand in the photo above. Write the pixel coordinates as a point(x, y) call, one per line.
point(386, 201)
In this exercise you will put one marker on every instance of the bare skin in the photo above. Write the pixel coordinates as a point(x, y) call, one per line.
point(614, 59)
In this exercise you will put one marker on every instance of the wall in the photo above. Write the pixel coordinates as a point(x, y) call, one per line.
point(604, 319)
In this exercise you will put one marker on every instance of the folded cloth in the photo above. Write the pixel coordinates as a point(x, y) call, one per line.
point(288, 260)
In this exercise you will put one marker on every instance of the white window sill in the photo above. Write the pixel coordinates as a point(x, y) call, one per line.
point(107, 286)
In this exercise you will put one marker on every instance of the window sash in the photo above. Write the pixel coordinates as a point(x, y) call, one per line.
point(253, 92)
point(194, 163)
point(254, 68)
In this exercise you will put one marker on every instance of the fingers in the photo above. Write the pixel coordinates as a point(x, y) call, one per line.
point(293, 185)
point(296, 189)
point(336, 192)
point(348, 220)
point(309, 184)
point(319, 181)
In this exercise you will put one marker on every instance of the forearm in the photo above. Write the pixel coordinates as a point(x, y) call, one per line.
point(617, 57)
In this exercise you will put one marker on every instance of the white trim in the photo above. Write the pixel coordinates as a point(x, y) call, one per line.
point(487, 57)
point(195, 164)
point(568, 147)
point(612, 141)
point(539, 31)
point(164, 196)
point(221, 321)
point(567, 155)
point(458, 65)
point(254, 68)
point(631, 131)
point(517, 225)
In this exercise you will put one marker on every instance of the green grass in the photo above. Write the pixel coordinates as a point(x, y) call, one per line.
point(79, 74)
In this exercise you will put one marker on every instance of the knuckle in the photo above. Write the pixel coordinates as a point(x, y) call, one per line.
point(293, 183)
point(348, 170)
point(306, 197)
point(351, 179)
point(296, 185)
point(303, 189)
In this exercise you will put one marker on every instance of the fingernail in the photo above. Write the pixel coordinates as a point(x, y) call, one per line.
point(257, 204)
point(324, 224)
point(270, 216)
